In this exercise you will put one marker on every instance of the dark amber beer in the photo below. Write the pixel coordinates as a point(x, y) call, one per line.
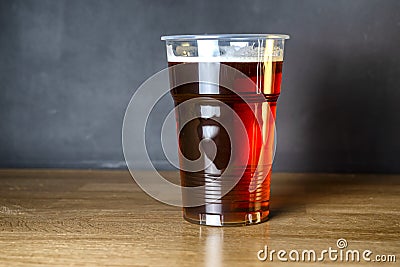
point(252, 96)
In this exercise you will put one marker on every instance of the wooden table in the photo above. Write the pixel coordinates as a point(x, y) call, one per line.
point(98, 218)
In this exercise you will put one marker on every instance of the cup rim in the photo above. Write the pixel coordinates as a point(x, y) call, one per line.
point(234, 36)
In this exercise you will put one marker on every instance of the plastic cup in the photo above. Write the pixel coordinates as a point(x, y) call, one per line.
point(225, 89)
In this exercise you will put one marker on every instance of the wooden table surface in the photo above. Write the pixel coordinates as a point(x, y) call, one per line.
point(102, 218)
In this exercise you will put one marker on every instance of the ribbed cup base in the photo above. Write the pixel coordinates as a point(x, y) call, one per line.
point(227, 219)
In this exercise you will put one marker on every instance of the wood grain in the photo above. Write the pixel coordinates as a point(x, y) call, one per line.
point(102, 218)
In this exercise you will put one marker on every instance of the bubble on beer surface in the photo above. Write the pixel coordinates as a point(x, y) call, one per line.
point(186, 51)
point(228, 51)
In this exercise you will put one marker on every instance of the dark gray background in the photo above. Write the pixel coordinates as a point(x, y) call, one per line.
point(69, 68)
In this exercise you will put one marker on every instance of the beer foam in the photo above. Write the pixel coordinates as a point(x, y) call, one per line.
point(221, 59)
point(225, 54)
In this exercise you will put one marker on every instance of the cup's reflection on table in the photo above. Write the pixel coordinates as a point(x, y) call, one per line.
point(225, 89)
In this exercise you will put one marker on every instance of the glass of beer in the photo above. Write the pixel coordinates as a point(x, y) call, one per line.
point(225, 89)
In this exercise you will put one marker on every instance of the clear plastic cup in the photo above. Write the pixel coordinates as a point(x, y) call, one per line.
point(225, 89)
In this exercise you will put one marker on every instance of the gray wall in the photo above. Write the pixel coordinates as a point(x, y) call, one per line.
point(69, 68)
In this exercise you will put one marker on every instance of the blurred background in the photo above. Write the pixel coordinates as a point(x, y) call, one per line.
point(69, 68)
